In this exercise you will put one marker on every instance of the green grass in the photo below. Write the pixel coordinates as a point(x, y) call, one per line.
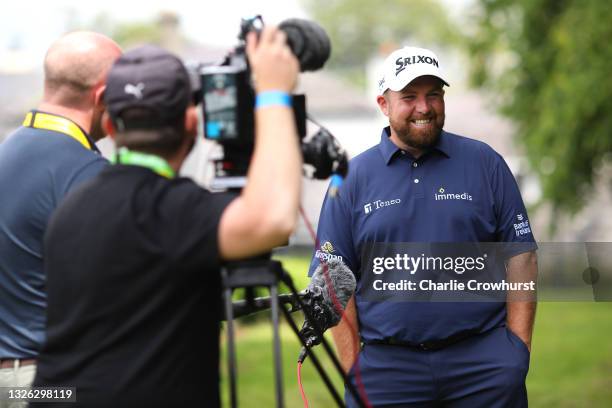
point(256, 375)
point(571, 362)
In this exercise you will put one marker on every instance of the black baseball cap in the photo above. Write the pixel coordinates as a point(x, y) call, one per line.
point(151, 79)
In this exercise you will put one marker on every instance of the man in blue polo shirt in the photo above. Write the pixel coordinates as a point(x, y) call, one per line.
point(421, 184)
point(40, 163)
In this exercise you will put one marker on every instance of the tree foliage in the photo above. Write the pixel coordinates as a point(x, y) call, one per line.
point(548, 60)
point(358, 28)
point(131, 34)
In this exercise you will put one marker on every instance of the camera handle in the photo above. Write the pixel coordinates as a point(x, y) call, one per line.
point(269, 273)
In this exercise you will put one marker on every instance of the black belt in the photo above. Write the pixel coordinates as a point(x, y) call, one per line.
point(426, 345)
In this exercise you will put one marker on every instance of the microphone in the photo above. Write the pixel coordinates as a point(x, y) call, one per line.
point(308, 42)
point(316, 296)
point(331, 287)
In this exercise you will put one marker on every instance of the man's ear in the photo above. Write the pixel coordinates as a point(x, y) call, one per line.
point(99, 95)
point(383, 104)
point(107, 125)
point(191, 121)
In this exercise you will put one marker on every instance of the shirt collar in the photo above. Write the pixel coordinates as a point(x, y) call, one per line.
point(389, 149)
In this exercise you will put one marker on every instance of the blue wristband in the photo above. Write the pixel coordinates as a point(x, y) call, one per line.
point(271, 98)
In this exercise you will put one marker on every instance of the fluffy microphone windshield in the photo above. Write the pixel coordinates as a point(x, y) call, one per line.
point(330, 289)
point(335, 273)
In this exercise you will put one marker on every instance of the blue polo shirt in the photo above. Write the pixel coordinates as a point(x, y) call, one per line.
point(38, 168)
point(459, 191)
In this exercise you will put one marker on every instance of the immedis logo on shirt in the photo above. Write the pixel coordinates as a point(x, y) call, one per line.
point(442, 195)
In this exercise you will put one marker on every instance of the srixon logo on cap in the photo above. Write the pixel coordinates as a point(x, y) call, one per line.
point(402, 62)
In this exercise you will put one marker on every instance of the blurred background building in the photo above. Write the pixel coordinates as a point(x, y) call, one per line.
point(342, 96)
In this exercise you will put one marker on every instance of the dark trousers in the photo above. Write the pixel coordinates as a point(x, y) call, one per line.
point(485, 370)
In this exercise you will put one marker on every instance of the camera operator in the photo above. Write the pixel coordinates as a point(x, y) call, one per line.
point(133, 257)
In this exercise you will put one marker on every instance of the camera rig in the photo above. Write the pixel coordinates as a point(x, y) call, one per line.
point(228, 99)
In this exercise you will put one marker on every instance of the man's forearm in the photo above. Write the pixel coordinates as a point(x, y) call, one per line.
point(265, 213)
point(346, 336)
point(275, 172)
point(521, 305)
point(276, 169)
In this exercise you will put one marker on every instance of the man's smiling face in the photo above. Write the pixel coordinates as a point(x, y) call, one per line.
point(416, 113)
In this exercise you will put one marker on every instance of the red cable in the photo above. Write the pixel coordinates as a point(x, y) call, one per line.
point(299, 373)
point(340, 310)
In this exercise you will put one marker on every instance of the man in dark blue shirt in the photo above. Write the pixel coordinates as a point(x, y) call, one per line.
point(424, 185)
point(43, 160)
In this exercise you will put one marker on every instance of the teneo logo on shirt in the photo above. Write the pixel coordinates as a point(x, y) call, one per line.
point(369, 207)
point(442, 195)
point(401, 63)
point(326, 252)
point(522, 227)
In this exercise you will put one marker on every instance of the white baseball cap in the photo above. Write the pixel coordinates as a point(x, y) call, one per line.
point(404, 65)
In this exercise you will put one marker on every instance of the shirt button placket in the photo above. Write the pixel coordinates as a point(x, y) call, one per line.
point(417, 180)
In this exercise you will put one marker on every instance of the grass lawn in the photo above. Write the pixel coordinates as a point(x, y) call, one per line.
point(571, 362)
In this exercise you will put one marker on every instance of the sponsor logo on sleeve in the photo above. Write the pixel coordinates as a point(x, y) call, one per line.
point(327, 247)
point(522, 226)
point(326, 252)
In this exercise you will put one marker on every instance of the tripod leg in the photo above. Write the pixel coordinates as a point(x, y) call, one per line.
point(231, 351)
point(278, 369)
point(315, 362)
point(308, 315)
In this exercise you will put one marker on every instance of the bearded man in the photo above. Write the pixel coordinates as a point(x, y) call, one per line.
point(424, 185)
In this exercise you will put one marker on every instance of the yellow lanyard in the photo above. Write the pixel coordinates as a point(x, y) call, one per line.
point(47, 121)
